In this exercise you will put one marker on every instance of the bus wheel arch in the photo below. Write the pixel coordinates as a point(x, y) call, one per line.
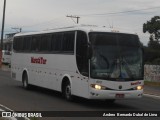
point(66, 88)
point(25, 80)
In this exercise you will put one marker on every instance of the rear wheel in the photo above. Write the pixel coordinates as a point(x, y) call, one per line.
point(67, 92)
point(25, 81)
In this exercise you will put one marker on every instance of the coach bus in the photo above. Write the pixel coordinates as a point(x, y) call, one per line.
point(85, 61)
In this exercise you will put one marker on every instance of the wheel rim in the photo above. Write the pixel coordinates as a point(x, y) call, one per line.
point(25, 83)
point(68, 91)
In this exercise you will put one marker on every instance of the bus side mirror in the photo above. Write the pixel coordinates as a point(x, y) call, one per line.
point(89, 51)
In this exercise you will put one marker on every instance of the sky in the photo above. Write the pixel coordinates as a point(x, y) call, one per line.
point(37, 15)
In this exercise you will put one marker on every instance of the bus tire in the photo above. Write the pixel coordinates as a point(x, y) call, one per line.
point(25, 81)
point(67, 91)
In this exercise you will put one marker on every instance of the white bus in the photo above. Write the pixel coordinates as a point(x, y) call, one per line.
point(6, 57)
point(84, 61)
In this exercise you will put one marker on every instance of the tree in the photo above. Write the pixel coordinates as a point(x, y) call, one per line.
point(153, 27)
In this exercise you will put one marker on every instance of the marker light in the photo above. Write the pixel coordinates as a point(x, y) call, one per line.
point(139, 87)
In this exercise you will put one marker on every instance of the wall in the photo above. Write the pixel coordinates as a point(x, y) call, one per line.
point(152, 73)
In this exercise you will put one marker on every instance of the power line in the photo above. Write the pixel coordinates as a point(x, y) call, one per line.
point(121, 12)
point(96, 14)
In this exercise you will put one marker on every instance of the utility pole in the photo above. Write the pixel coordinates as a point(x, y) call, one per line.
point(71, 16)
point(19, 29)
point(3, 21)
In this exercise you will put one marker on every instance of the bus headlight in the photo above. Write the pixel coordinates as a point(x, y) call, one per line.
point(98, 87)
point(139, 87)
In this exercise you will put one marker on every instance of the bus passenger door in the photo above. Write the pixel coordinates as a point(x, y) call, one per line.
point(82, 62)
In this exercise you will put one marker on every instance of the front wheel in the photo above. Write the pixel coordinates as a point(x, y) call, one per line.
point(25, 81)
point(67, 92)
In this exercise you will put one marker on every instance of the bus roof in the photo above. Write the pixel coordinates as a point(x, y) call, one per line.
point(86, 28)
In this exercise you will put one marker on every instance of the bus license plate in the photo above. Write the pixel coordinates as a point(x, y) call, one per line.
point(119, 96)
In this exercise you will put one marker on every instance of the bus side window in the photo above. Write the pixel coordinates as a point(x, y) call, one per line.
point(45, 42)
point(56, 42)
point(15, 44)
point(68, 42)
point(18, 44)
point(27, 43)
point(35, 45)
point(81, 53)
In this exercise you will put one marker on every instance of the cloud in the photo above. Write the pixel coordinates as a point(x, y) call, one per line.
point(42, 14)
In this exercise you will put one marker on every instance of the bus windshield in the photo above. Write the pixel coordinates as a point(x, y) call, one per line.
point(116, 56)
point(6, 52)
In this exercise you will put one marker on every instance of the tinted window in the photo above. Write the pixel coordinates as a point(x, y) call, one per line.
point(56, 41)
point(103, 39)
point(15, 43)
point(18, 44)
point(35, 45)
point(27, 43)
point(68, 41)
point(128, 40)
point(81, 53)
point(98, 38)
point(45, 42)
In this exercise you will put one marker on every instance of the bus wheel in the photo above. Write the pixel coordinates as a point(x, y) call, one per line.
point(25, 81)
point(67, 91)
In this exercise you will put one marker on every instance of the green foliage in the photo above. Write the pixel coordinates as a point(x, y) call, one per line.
point(153, 44)
point(151, 56)
point(153, 27)
point(152, 52)
point(156, 61)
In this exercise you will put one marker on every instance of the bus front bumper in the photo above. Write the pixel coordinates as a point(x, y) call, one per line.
point(110, 94)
